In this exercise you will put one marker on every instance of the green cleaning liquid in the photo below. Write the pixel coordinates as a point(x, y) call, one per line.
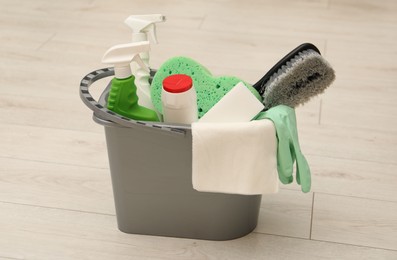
point(123, 100)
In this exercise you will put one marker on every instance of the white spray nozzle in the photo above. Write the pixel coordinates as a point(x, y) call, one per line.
point(142, 25)
point(122, 55)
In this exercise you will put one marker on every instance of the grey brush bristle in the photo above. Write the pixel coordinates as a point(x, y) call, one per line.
point(306, 75)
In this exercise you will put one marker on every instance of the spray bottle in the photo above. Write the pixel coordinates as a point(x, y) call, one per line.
point(142, 26)
point(123, 99)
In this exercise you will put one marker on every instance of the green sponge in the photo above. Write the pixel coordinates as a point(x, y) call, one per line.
point(209, 89)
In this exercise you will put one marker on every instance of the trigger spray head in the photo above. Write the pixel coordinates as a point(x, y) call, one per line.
point(122, 55)
point(144, 25)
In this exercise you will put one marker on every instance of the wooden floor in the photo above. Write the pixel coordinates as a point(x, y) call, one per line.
point(56, 200)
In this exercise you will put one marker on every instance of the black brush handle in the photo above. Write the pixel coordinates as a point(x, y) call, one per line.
point(260, 85)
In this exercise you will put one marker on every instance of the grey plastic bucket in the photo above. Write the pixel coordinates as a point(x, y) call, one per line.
point(150, 165)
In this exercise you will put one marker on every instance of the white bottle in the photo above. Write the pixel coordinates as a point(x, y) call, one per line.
point(179, 100)
point(142, 26)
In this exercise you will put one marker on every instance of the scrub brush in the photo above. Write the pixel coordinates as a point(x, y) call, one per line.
point(300, 75)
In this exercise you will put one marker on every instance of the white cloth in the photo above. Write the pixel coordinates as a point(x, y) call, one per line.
point(237, 158)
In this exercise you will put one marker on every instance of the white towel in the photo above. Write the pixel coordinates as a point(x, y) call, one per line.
point(237, 158)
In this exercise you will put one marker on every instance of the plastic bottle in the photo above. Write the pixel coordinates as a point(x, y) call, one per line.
point(142, 26)
point(123, 99)
point(179, 99)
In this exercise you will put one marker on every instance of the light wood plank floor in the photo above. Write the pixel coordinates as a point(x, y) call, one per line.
point(56, 200)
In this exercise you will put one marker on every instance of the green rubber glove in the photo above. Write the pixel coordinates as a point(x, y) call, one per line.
point(288, 149)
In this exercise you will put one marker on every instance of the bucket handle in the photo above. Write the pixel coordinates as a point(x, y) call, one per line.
point(107, 114)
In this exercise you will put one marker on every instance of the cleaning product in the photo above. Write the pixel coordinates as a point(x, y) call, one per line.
point(209, 89)
point(179, 99)
point(123, 99)
point(238, 105)
point(300, 75)
point(142, 26)
point(288, 149)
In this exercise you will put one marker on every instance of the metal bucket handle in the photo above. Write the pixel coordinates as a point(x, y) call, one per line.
point(106, 114)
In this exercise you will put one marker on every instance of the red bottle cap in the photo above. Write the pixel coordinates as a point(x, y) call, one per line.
point(177, 83)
